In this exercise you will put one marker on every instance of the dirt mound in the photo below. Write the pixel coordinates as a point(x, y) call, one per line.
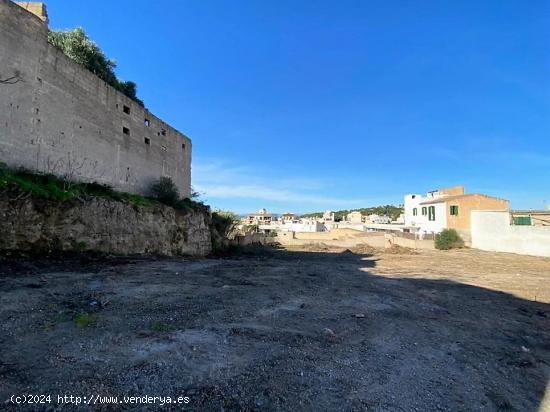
point(400, 250)
point(364, 249)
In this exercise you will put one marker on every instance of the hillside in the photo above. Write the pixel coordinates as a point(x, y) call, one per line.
point(389, 210)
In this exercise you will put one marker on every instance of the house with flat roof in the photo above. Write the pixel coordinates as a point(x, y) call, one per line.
point(262, 217)
point(448, 208)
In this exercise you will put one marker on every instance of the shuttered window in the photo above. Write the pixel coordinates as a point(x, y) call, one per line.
point(431, 213)
point(414, 211)
point(424, 211)
point(454, 210)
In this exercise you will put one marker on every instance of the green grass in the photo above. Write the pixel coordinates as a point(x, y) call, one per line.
point(86, 319)
point(161, 327)
point(48, 186)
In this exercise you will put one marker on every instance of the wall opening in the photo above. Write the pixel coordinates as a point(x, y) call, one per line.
point(183, 146)
point(147, 122)
point(125, 130)
point(147, 141)
point(163, 132)
point(126, 109)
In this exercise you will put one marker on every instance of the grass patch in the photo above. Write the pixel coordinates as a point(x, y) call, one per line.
point(51, 187)
point(161, 327)
point(86, 319)
point(48, 326)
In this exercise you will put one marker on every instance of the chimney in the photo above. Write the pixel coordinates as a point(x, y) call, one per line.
point(38, 9)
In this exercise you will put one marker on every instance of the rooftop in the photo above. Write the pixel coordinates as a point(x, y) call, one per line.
point(456, 197)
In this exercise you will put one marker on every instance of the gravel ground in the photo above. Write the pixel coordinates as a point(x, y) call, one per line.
point(312, 330)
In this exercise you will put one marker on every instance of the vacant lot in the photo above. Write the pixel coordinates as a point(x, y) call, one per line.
point(322, 329)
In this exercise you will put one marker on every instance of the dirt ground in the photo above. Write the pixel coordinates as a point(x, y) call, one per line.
point(314, 329)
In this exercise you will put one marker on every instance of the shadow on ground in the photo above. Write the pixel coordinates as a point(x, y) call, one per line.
point(269, 331)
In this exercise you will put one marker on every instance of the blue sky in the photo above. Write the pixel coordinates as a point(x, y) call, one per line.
point(314, 105)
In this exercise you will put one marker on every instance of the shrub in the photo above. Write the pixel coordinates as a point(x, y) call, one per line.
point(448, 239)
point(224, 222)
point(166, 191)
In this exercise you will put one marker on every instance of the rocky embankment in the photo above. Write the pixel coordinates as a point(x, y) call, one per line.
point(29, 224)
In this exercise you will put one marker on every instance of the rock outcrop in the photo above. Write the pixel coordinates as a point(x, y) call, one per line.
point(31, 224)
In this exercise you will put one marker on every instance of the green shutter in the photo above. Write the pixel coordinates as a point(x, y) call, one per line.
point(431, 213)
point(522, 220)
point(424, 210)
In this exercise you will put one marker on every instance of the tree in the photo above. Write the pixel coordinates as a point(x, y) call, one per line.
point(76, 45)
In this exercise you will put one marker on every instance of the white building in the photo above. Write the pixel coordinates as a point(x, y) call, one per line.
point(377, 219)
point(448, 208)
point(430, 218)
point(302, 225)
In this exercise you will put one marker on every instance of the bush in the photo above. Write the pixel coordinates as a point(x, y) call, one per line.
point(224, 222)
point(448, 239)
point(166, 191)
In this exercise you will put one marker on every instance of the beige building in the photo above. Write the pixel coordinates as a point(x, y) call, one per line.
point(328, 216)
point(448, 208)
point(355, 217)
point(262, 217)
point(289, 217)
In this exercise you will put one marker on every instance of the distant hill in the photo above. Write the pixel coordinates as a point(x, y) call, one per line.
point(389, 210)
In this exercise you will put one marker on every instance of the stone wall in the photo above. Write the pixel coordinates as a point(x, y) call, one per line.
point(57, 117)
point(98, 224)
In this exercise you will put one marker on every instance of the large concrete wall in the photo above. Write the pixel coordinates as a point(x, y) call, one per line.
point(491, 230)
point(58, 117)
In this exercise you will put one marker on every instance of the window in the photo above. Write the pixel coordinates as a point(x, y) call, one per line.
point(424, 210)
point(163, 148)
point(126, 109)
point(147, 141)
point(415, 211)
point(431, 213)
point(454, 210)
point(147, 122)
point(125, 130)
point(183, 146)
point(163, 132)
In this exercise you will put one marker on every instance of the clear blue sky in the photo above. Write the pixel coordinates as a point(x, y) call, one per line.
point(314, 105)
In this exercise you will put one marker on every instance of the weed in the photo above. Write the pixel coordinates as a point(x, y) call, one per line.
point(161, 327)
point(47, 326)
point(86, 319)
point(48, 186)
point(81, 246)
